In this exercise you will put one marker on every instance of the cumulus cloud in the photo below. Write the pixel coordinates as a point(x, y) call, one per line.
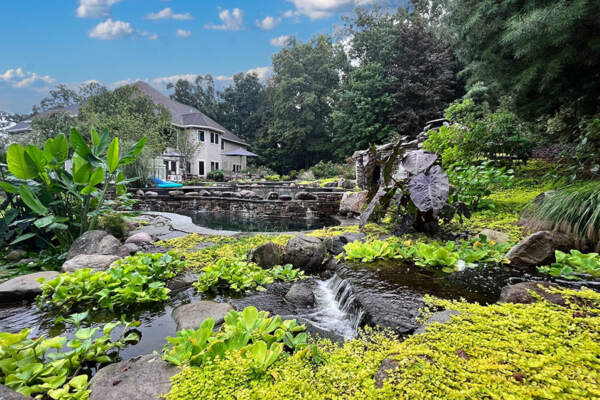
point(279, 41)
point(268, 23)
point(168, 13)
point(183, 33)
point(262, 72)
point(18, 78)
point(232, 20)
point(174, 78)
point(316, 9)
point(95, 8)
point(110, 29)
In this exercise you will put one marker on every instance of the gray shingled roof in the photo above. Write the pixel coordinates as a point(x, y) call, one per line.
point(183, 115)
point(24, 126)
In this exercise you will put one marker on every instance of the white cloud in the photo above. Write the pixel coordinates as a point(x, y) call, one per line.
point(174, 78)
point(316, 9)
point(262, 72)
point(110, 29)
point(268, 23)
point(232, 20)
point(95, 8)
point(168, 13)
point(289, 14)
point(183, 33)
point(19, 79)
point(279, 41)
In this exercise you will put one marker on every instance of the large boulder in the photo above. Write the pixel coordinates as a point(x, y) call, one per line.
point(9, 394)
point(305, 196)
point(346, 184)
point(141, 378)
point(87, 243)
point(525, 293)
point(302, 293)
point(24, 286)
point(190, 316)
point(140, 238)
point(352, 203)
point(15, 255)
point(335, 244)
point(496, 236)
point(306, 253)
point(108, 245)
point(182, 281)
point(538, 248)
point(440, 317)
point(267, 255)
point(97, 262)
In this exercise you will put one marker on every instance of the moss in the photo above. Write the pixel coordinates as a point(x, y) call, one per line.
point(502, 351)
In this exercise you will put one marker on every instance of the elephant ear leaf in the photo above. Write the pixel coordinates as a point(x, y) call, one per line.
point(133, 152)
point(430, 191)
point(31, 200)
point(418, 161)
point(20, 163)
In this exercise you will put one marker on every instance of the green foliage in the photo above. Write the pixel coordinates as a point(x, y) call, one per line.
point(575, 265)
point(504, 351)
point(115, 224)
point(50, 366)
point(273, 177)
point(472, 184)
point(251, 333)
point(329, 169)
point(242, 276)
point(582, 161)
point(216, 175)
point(134, 280)
point(50, 202)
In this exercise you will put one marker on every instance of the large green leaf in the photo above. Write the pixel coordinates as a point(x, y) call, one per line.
point(20, 163)
point(104, 141)
point(97, 177)
point(31, 200)
point(22, 238)
point(112, 157)
point(57, 148)
point(9, 187)
point(81, 170)
point(133, 152)
point(79, 145)
point(37, 156)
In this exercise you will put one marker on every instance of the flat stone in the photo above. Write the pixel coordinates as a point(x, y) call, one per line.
point(496, 236)
point(87, 243)
point(521, 293)
point(141, 378)
point(139, 193)
point(24, 286)
point(249, 194)
point(301, 293)
point(204, 193)
point(190, 316)
point(285, 197)
point(8, 394)
point(140, 238)
point(192, 194)
point(440, 317)
point(150, 194)
point(182, 281)
point(267, 255)
point(306, 253)
point(352, 203)
point(305, 196)
point(97, 262)
point(175, 193)
point(15, 255)
point(538, 248)
point(330, 184)
point(385, 371)
point(109, 245)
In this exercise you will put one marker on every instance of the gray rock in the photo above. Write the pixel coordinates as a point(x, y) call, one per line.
point(9, 394)
point(441, 317)
point(285, 197)
point(176, 193)
point(139, 193)
point(316, 332)
point(132, 248)
point(204, 193)
point(86, 243)
point(150, 193)
point(216, 193)
point(353, 237)
point(24, 286)
point(346, 184)
point(385, 371)
point(140, 238)
point(141, 378)
point(182, 281)
point(192, 194)
point(231, 194)
point(267, 255)
point(190, 316)
point(522, 293)
point(123, 251)
point(15, 255)
point(335, 245)
point(97, 262)
point(249, 194)
point(109, 245)
point(301, 293)
point(330, 184)
point(352, 203)
point(272, 196)
point(538, 248)
point(306, 253)
point(496, 236)
point(305, 196)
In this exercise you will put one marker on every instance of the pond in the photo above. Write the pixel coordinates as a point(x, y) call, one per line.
point(241, 223)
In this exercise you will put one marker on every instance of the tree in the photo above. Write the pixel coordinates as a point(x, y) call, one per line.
point(544, 54)
point(60, 96)
point(201, 95)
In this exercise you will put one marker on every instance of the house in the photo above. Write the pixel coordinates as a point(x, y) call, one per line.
point(20, 132)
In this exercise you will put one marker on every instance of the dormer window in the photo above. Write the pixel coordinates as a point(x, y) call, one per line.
point(216, 138)
point(201, 136)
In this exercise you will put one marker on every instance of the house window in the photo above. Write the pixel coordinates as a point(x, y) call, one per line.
point(212, 137)
point(188, 167)
point(216, 138)
point(222, 145)
point(171, 167)
point(201, 136)
point(212, 165)
point(217, 165)
point(201, 168)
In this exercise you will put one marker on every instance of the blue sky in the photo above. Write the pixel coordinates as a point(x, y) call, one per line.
point(119, 41)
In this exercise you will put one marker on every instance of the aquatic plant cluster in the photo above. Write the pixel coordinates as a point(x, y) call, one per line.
point(508, 351)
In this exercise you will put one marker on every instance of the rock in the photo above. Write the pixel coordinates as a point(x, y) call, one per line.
point(249, 194)
point(174, 193)
point(24, 286)
point(352, 203)
point(109, 245)
point(235, 195)
point(306, 253)
point(182, 281)
point(204, 193)
point(139, 193)
point(132, 248)
point(346, 184)
point(192, 194)
point(538, 248)
point(267, 255)
point(301, 293)
point(285, 197)
point(496, 236)
point(330, 184)
point(86, 243)
point(151, 194)
point(353, 237)
point(97, 262)
point(441, 317)
point(8, 394)
point(272, 196)
point(521, 293)
point(385, 371)
point(140, 238)
point(141, 378)
point(216, 193)
point(332, 264)
point(15, 255)
point(335, 245)
point(305, 196)
point(190, 316)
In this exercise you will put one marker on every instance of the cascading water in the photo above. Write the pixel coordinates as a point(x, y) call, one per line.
point(336, 308)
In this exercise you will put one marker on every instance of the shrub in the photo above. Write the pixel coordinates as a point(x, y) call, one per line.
point(329, 169)
point(114, 224)
point(583, 161)
point(216, 175)
point(273, 177)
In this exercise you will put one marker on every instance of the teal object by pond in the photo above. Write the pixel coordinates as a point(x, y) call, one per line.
point(164, 184)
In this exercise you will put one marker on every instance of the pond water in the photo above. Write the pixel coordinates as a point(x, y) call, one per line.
point(237, 222)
